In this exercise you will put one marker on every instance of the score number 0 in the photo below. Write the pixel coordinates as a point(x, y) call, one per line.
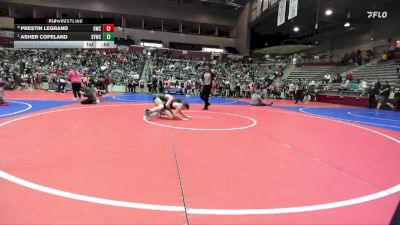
point(108, 27)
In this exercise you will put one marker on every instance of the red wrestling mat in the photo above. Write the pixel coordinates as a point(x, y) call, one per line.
point(105, 164)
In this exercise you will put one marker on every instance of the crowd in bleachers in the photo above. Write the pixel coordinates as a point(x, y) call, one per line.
point(358, 57)
point(231, 78)
point(28, 69)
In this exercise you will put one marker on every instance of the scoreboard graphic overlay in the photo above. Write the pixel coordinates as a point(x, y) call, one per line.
point(89, 33)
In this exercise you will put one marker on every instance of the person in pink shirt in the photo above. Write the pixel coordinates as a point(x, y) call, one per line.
point(75, 77)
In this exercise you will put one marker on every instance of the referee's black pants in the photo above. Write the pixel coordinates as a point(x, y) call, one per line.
point(205, 94)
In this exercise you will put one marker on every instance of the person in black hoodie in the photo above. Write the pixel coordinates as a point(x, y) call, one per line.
point(384, 96)
point(371, 97)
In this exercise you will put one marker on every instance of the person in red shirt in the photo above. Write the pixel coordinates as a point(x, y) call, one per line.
point(349, 76)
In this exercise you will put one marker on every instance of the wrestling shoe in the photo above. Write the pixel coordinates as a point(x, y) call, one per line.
point(147, 113)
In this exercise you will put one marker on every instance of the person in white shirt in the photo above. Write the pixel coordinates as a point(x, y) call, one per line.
point(327, 78)
point(362, 87)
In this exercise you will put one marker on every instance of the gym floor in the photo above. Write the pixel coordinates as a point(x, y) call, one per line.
point(66, 163)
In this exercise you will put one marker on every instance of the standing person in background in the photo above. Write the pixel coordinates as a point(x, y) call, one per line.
point(207, 85)
point(106, 82)
point(372, 96)
point(149, 86)
point(154, 82)
point(160, 86)
point(75, 77)
point(237, 89)
point(3, 101)
point(227, 88)
point(36, 80)
point(85, 80)
point(384, 96)
point(397, 96)
point(292, 90)
point(127, 84)
point(299, 92)
point(256, 100)
point(141, 86)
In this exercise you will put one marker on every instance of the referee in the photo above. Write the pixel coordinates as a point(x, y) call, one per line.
point(207, 84)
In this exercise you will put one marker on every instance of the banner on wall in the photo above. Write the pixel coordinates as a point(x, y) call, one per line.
point(265, 5)
point(281, 12)
point(293, 7)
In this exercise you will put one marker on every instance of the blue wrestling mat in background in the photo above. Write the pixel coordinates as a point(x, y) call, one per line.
point(378, 118)
point(372, 117)
point(19, 107)
point(190, 99)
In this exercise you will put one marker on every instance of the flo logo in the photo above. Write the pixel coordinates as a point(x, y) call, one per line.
point(377, 14)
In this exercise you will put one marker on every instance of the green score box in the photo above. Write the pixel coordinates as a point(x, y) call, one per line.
point(108, 36)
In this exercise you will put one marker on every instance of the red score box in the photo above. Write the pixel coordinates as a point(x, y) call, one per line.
point(108, 27)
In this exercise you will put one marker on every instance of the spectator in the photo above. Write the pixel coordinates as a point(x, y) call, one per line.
point(349, 76)
point(106, 82)
point(237, 89)
point(227, 88)
point(256, 100)
point(36, 80)
point(299, 92)
point(207, 84)
point(85, 80)
point(291, 90)
point(154, 83)
point(90, 97)
point(61, 84)
point(75, 77)
point(372, 96)
point(396, 99)
point(327, 78)
point(362, 87)
point(3, 101)
point(384, 96)
point(377, 85)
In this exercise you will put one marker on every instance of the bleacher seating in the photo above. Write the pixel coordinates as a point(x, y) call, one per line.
point(385, 71)
point(309, 72)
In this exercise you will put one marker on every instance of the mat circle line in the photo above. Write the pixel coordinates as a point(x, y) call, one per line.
point(20, 111)
point(347, 120)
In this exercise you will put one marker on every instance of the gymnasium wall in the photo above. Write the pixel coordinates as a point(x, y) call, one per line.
point(167, 37)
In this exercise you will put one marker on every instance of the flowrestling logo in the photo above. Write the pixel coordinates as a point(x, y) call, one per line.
point(377, 14)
